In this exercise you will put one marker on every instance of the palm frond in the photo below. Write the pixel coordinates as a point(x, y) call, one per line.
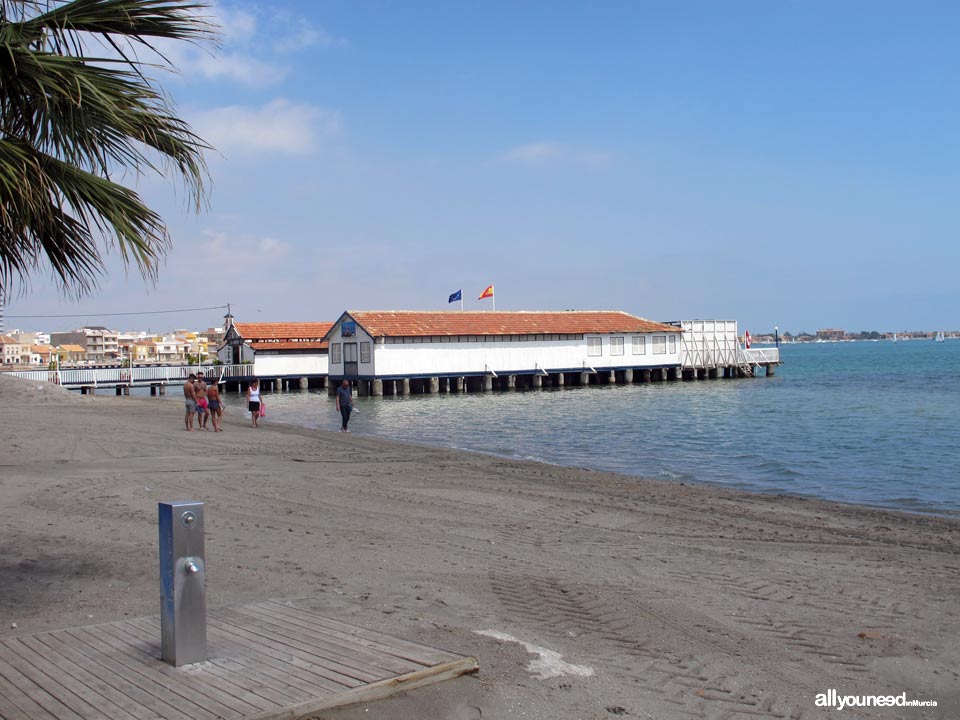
point(69, 121)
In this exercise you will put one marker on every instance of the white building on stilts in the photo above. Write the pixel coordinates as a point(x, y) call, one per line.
point(400, 352)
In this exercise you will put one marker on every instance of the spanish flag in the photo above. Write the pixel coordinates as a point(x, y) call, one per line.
point(488, 293)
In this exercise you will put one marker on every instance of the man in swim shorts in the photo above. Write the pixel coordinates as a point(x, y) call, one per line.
point(215, 407)
point(190, 400)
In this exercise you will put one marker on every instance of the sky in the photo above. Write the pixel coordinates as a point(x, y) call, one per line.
point(790, 164)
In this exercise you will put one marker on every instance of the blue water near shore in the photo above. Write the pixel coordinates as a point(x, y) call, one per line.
point(874, 423)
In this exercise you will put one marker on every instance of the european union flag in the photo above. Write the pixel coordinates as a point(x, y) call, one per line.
point(456, 297)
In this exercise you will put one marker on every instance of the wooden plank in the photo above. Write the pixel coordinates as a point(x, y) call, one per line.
point(79, 666)
point(375, 691)
point(139, 675)
point(337, 648)
point(369, 638)
point(341, 641)
point(196, 673)
point(269, 677)
point(309, 672)
point(403, 649)
point(35, 693)
point(139, 686)
point(251, 654)
point(230, 706)
point(279, 657)
point(246, 683)
point(15, 704)
point(269, 662)
point(53, 677)
point(315, 664)
point(322, 656)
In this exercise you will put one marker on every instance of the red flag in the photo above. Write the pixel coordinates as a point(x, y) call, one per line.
point(488, 293)
point(746, 339)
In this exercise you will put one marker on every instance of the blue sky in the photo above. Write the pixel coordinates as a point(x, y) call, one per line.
point(791, 164)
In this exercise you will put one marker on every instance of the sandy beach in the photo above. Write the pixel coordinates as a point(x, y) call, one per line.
point(582, 594)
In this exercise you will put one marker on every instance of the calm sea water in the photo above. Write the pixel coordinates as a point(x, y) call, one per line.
point(869, 422)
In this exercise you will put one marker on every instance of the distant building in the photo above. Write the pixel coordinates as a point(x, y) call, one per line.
point(99, 343)
point(170, 350)
point(284, 348)
point(31, 338)
point(408, 344)
point(41, 355)
point(12, 351)
point(143, 351)
point(71, 353)
point(831, 334)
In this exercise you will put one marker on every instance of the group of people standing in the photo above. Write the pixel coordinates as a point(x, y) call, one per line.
point(203, 401)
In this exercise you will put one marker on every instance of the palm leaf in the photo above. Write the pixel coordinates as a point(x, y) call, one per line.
point(69, 121)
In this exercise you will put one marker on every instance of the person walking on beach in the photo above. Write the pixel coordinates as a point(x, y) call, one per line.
point(345, 403)
point(253, 401)
point(216, 407)
point(203, 407)
point(190, 399)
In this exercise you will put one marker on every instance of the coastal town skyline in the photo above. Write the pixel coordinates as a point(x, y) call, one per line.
point(622, 157)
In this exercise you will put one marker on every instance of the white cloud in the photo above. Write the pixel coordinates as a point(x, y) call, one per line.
point(280, 126)
point(543, 153)
point(534, 153)
point(239, 252)
point(244, 55)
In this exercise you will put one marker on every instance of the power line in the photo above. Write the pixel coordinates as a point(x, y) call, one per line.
point(115, 314)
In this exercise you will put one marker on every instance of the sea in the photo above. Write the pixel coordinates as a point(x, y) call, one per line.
point(872, 423)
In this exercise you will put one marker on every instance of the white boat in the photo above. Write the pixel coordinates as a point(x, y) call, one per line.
point(894, 337)
point(939, 337)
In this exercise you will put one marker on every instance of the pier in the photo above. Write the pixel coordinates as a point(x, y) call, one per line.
point(626, 351)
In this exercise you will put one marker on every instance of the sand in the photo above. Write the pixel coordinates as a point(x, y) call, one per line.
point(582, 594)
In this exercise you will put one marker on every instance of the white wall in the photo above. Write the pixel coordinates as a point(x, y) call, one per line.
point(412, 359)
point(225, 354)
point(710, 343)
point(506, 357)
point(299, 364)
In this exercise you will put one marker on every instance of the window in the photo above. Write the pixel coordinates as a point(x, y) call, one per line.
point(594, 346)
point(639, 345)
point(335, 357)
point(616, 346)
point(365, 352)
point(673, 344)
point(659, 345)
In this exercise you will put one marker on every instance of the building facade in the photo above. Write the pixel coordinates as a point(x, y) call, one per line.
point(100, 344)
point(393, 345)
point(277, 349)
point(12, 351)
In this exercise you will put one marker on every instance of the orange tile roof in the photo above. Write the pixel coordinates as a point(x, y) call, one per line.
point(7, 340)
point(406, 323)
point(73, 348)
point(289, 345)
point(41, 349)
point(283, 330)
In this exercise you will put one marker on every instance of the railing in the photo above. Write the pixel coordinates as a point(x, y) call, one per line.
point(92, 377)
point(762, 356)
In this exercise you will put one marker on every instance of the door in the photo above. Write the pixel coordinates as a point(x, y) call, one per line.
point(350, 368)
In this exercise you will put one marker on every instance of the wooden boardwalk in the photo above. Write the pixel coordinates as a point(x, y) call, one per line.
point(267, 661)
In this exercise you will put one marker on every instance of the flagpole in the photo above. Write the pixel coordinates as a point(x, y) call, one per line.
point(461, 301)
